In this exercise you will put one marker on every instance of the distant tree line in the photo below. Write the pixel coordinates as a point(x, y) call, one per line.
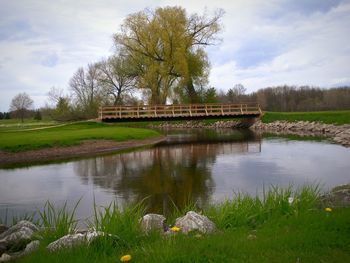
point(291, 98)
point(33, 114)
point(5, 115)
point(281, 98)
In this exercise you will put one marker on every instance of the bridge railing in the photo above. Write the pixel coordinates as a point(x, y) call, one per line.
point(184, 110)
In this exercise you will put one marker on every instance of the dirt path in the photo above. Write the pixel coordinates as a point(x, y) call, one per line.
point(87, 148)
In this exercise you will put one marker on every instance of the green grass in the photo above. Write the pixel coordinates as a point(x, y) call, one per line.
point(57, 222)
point(122, 223)
point(250, 229)
point(28, 124)
point(309, 237)
point(71, 134)
point(329, 117)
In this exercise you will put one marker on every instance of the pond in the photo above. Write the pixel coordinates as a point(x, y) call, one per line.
point(198, 166)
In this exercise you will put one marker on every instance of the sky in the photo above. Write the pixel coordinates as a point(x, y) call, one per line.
point(263, 42)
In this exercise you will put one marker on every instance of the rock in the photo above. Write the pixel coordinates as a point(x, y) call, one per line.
point(340, 134)
point(21, 235)
point(244, 123)
point(17, 235)
point(153, 222)
point(3, 228)
point(5, 257)
point(32, 246)
point(72, 240)
point(18, 226)
point(193, 221)
point(337, 198)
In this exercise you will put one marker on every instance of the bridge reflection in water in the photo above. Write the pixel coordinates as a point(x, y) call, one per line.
point(175, 172)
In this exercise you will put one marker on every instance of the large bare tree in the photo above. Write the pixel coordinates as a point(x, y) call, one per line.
point(86, 89)
point(20, 104)
point(117, 78)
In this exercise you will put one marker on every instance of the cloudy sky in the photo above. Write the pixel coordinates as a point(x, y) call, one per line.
point(264, 42)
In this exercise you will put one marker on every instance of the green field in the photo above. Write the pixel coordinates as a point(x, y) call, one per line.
point(24, 139)
point(329, 117)
point(17, 125)
point(249, 230)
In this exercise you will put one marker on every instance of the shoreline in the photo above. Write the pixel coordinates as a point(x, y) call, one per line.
point(339, 134)
point(85, 149)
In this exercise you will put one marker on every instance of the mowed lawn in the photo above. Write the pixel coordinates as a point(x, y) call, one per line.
point(70, 134)
point(329, 117)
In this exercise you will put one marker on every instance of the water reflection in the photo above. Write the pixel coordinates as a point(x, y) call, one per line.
point(192, 165)
point(176, 172)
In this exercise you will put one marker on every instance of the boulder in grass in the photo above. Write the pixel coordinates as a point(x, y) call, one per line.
point(17, 236)
point(5, 257)
point(337, 197)
point(72, 240)
point(17, 227)
point(21, 235)
point(32, 246)
point(152, 222)
point(195, 222)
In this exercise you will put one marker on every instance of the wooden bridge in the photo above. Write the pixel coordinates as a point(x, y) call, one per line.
point(178, 112)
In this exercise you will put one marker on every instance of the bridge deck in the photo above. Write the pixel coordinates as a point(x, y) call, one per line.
point(185, 111)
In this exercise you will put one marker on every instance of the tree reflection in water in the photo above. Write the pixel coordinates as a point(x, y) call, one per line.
point(175, 172)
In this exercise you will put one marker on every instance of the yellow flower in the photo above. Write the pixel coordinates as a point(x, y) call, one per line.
point(125, 258)
point(328, 209)
point(175, 229)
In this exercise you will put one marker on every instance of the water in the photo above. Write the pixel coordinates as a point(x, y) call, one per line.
point(198, 165)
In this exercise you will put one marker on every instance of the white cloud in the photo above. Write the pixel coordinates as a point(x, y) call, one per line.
point(314, 51)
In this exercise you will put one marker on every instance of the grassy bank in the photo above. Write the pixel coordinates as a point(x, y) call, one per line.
point(330, 117)
point(250, 229)
point(67, 135)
